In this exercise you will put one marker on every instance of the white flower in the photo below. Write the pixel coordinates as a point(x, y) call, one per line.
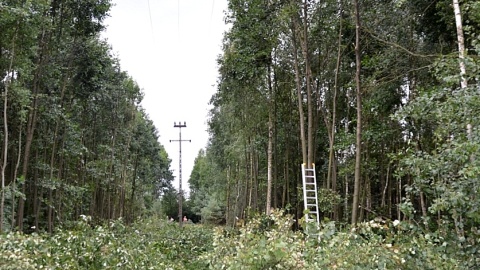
point(396, 222)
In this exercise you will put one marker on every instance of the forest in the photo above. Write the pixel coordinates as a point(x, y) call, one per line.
point(380, 95)
point(381, 98)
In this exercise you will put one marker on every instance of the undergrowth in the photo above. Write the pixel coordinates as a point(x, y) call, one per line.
point(266, 242)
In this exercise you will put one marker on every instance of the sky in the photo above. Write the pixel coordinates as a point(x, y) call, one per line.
point(170, 48)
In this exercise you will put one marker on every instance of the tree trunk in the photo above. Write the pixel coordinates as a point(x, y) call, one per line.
point(5, 131)
point(32, 121)
point(461, 43)
point(15, 173)
point(332, 176)
point(250, 191)
point(227, 195)
point(358, 152)
point(308, 76)
point(299, 98)
point(270, 144)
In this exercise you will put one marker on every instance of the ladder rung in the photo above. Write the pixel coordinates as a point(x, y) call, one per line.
point(311, 204)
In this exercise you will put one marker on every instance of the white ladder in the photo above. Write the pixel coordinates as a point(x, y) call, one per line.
point(310, 194)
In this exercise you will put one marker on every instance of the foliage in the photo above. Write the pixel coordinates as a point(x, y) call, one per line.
point(327, 199)
point(213, 212)
point(269, 243)
point(446, 170)
point(79, 141)
point(148, 244)
point(266, 242)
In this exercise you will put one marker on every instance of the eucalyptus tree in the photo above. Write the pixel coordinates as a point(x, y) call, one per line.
point(358, 144)
point(445, 171)
point(21, 24)
point(62, 22)
point(314, 60)
point(83, 142)
point(251, 42)
point(300, 21)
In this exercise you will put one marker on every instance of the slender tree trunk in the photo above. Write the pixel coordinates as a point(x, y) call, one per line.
point(398, 199)
point(32, 121)
point(247, 181)
point(385, 188)
point(461, 43)
point(299, 98)
point(270, 144)
point(249, 208)
point(423, 205)
point(37, 195)
point(358, 152)
point(331, 177)
point(227, 199)
point(134, 186)
point(5, 153)
point(285, 177)
point(5, 131)
point(52, 161)
point(14, 182)
point(255, 193)
point(308, 76)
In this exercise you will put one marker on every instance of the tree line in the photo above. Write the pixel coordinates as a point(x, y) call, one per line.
point(382, 96)
point(75, 139)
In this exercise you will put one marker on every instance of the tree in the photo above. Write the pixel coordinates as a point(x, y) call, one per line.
point(461, 43)
point(75, 125)
point(358, 144)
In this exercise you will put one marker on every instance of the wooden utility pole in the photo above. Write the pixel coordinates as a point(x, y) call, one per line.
point(180, 191)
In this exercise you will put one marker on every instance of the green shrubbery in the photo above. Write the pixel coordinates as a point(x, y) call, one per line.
point(152, 244)
point(264, 243)
point(269, 243)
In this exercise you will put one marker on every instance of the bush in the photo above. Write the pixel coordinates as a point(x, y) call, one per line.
point(269, 243)
point(151, 244)
point(266, 242)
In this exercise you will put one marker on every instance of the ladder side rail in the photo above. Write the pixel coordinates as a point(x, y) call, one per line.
point(305, 192)
point(316, 193)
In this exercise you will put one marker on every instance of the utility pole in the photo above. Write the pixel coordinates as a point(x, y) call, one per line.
point(180, 191)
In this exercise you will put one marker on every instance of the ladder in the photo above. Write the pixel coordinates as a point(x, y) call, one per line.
point(310, 194)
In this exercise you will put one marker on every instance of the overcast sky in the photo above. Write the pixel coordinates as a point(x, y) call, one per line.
point(170, 48)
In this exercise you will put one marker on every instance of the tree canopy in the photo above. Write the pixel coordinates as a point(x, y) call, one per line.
point(76, 139)
point(287, 88)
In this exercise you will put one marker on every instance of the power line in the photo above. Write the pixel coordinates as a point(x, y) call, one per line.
point(178, 19)
point(151, 22)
